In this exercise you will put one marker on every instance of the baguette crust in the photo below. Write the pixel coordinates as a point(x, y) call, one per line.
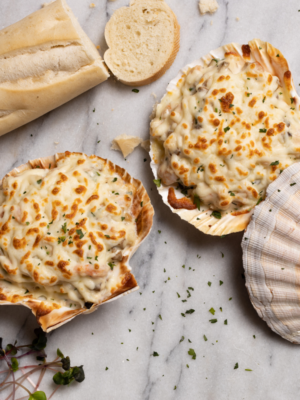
point(167, 64)
point(41, 88)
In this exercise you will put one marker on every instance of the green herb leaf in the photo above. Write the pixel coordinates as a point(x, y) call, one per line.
point(40, 342)
point(64, 227)
point(209, 283)
point(111, 265)
point(292, 184)
point(226, 129)
point(236, 366)
point(157, 182)
point(192, 353)
point(259, 201)
point(216, 214)
point(14, 364)
point(247, 368)
point(197, 201)
point(205, 338)
point(135, 90)
point(275, 163)
point(182, 339)
point(79, 233)
point(225, 322)
point(221, 283)
point(59, 353)
point(38, 396)
point(155, 354)
point(191, 311)
point(262, 130)
point(212, 311)
point(213, 321)
point(39, 181)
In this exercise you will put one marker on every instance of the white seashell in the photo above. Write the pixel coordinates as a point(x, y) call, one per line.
point(267, 56)
point(271, 256)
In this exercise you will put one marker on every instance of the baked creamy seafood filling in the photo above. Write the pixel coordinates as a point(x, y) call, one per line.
point(227, 130)
point(66, 233)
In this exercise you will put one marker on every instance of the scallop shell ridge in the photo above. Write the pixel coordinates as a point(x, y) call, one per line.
point(271, 256)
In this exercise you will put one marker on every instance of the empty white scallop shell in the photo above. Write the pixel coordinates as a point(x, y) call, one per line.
point(271, 256)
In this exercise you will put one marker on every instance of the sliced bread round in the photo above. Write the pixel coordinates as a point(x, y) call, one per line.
point(143, 41)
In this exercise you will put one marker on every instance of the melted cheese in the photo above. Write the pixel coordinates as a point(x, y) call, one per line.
point(226, 133)
point(65, 233)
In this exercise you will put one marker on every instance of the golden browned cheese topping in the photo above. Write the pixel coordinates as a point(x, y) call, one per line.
point(226, 132)
point(64, 232)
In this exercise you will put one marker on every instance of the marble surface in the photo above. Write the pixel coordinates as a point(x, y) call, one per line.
point(123, 334)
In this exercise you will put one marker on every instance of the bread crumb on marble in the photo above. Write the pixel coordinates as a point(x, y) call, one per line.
point(92, 5)
point(125, 143)
point(208, 6)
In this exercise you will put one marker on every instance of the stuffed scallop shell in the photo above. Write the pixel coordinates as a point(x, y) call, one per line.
point(68, 227)
point(227, 127)
point(271, 256)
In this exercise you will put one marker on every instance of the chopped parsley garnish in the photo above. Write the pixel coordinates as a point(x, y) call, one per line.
point(79, 233)
point(231, 193)
point(292, 100)
point(157, 182)
point(142, 203)
point(292, 184)
point(135, 90)
point(213, 321)
point(64, 227)
point(275, 163)
point(115, 180)
point(216, 214)
point(221, 283)
point(27, 223)
point(247, 369)
point(214, 59)
point(96, 258)
point(182, 339)
point(258, 201)
point(197, 201)
point(61, 239)
point(191, 311)
point(111, 265)
point(192, 353)
point(39, 181)
point(277, 55)
point(205, 338)
point(226, 129)
point(225, 322)
point(264, 99)
point(212, 311)
point(236, 366)
point(155, 354)
point(249, 94)
point(262, 130)
point(209, 283)
point(222, 255)
point(107, 236)
point(160, 317)
point(200, 168)
point(122, 218)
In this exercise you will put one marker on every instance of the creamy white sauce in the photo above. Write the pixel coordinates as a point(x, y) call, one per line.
point(227, 154)
point(64, 231)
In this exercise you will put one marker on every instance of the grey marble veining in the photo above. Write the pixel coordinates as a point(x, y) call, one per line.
point(95, 340)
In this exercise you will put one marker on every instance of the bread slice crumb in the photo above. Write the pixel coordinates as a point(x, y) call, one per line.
point(92, 5)
point(237, 18)
point(208, 6)
point(146, 145)
point(126, 144)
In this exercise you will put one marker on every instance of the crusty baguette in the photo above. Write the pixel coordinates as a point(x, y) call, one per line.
point(143, 41)
point(46, 59)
